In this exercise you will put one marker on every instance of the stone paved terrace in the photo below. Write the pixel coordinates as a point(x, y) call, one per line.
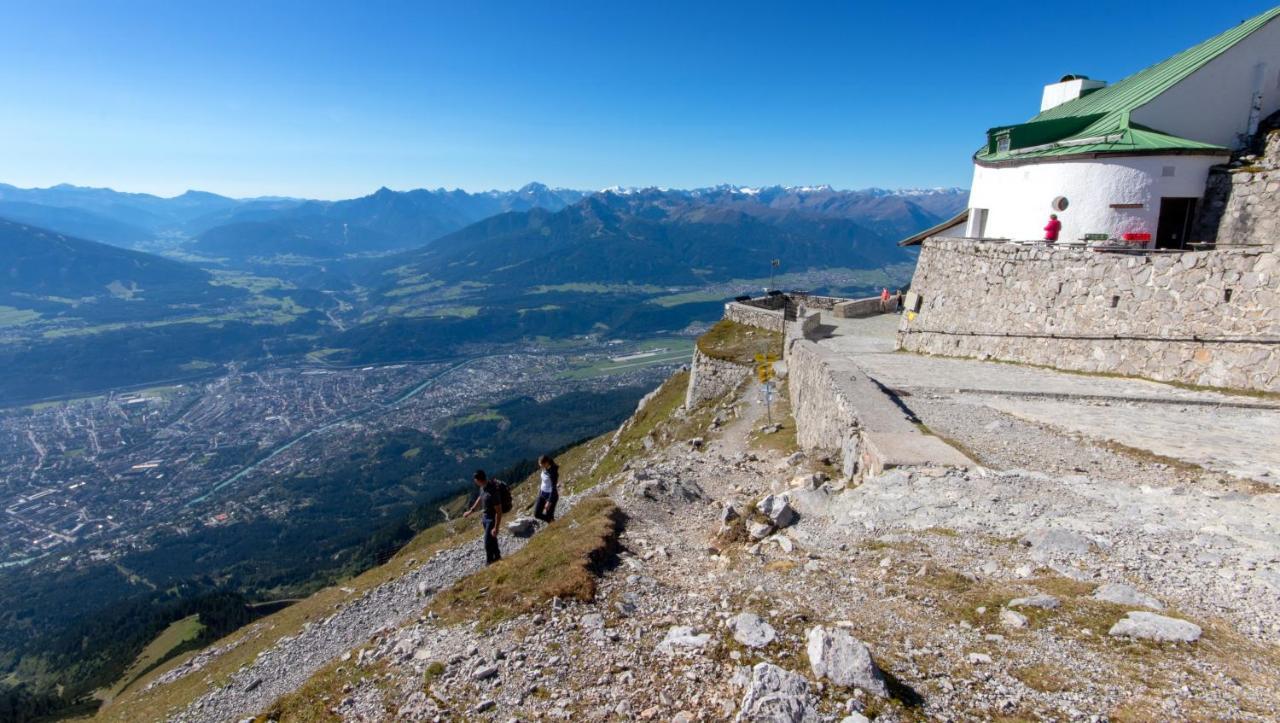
point(1220, 432)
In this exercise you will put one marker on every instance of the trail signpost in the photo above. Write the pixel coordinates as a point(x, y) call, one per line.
point(765, 373)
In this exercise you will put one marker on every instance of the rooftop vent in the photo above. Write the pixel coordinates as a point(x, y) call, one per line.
point(1067, 89)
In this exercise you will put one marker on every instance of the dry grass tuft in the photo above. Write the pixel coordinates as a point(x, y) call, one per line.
point(1046, 678)
point(561, 561)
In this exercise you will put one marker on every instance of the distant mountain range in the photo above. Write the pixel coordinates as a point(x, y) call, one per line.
point(236, 231)
point(680, 238)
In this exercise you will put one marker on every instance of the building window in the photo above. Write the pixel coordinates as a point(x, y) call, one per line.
point(1002, 143)
point(1168, 171)
point(1060, 203)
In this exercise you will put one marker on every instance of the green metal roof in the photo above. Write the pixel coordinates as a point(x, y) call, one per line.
point(1098, 122)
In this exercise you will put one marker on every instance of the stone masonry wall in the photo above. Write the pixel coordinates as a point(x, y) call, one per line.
point(711, 378)
point(771, 319)
point(826, 418)
point(1209, 318)
point(1242, 204)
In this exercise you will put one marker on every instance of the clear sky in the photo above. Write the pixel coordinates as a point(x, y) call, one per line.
point(333, 100)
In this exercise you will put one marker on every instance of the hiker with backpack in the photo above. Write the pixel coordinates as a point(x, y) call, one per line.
point(493, 501)
point(548, 490)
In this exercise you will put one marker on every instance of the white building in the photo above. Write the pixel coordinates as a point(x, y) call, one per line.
point(1126, 162)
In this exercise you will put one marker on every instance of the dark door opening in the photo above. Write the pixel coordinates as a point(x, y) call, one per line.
point(1174, 228)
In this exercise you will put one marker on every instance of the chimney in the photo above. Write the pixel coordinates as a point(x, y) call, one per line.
point(1069, 88)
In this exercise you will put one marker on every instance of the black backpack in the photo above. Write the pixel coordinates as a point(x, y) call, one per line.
point(504, 496)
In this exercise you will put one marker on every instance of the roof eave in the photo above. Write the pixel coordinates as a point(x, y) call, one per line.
point(919, 238)
point(1091, 155)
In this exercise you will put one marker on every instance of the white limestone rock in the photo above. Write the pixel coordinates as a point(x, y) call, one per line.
point(839, 657)
point(778, 510)
point(1040, 600)
point(1013, 619)
point(775, 695)
point(1047, 542)
point(751, 631)
point(1161, 628)
point(1121, 594)
point(682, 639)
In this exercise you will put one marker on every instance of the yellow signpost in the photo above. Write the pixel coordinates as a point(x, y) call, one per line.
point(765, 373)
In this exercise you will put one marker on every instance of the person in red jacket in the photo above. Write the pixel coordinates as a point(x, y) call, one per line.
point(1051, 231)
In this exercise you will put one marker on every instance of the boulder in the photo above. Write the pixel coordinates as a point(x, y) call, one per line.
point(485, 672)
point(775, 695)
point(1048, 542)
point(778, 510)
point(807, 481)
point(1013, 619)
point(751, 631)
point(1150, 626)
point(522, 526)
point(728, 514)
point(759, 530)
point(1039, 600)
point(836, 655)
point(681, 639)
point(1121, 594)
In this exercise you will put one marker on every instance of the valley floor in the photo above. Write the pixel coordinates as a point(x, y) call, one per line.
point(981, 594)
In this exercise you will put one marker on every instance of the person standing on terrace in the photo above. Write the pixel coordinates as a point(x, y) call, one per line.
point(1051, 231)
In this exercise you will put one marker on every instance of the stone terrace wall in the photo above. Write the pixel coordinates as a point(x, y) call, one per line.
point(711, 378)
point(1210, 318)
point(1242, 205)
point(824, 411)
point(744, 313)
point(812, 301)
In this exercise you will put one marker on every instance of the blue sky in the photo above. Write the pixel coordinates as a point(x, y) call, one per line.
point(333, 100)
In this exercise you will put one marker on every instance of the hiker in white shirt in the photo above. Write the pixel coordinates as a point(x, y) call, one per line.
point(548, 491)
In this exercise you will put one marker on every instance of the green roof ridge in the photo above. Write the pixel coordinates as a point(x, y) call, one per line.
point(1108, 108)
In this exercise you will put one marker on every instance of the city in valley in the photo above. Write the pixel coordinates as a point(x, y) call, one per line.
point(97, 477)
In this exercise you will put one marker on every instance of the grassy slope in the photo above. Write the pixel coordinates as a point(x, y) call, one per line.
point(738, 343)
point(560, 561)
point(178, 632)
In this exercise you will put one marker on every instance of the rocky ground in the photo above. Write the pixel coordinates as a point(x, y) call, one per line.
point(1064, 580)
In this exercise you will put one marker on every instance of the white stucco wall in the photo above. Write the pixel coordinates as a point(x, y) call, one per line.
point(1212, 104)
point(1019, 197)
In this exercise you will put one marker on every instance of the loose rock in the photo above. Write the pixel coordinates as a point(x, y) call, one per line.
point(1150, 626)
point(837, 656)
point(751, 631)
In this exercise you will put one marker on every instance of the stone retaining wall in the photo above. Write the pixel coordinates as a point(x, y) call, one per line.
point(1242, 205)
point(813, 301)
point(824, 412)
point(841, 411)
point(751, 315)
point(860, 308)
point(1209, 318)
point(711, 378)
